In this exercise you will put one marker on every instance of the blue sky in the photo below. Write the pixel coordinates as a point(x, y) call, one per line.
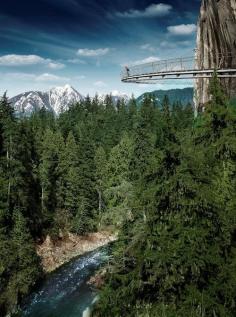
point(47, 43)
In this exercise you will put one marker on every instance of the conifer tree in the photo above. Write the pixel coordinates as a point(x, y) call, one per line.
point(7, 131)
point(95, 106)
point(119, 189)
point(24, 182)
point(6, 261)
point(51, 147)
point(86, 214)
point(101, 175)
point(27, 268)
point(144, 139)
point(88, 104)
point(72, 190)
point(132, 114)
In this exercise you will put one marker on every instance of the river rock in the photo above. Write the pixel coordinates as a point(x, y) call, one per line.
point(98, 280)
point(216, 45)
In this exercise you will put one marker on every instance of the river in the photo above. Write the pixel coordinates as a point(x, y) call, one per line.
point(65, 292)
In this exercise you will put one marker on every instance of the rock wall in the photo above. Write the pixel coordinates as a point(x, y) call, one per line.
point(216, 45)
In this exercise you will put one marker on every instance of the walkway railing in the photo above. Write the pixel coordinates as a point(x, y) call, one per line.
point(178, 68)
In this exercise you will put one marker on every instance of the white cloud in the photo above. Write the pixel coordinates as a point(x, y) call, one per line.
point(100, 84)
point(86, 52)
point(147, 47)
point(175, 44)
point(45, 77)
point(150, 59)
point(28, 60)
point(168, 44)
point(20, 60)
point(50, 78)
point(153, 10)
point(76, 61)
point(55, 65)
point(182, 29)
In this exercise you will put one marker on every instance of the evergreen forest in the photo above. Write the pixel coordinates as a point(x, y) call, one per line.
point(161, 178)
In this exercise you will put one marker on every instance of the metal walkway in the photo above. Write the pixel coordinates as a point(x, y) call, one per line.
point(179, 68)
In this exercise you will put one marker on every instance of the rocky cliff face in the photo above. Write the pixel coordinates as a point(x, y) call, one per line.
point(216, 45)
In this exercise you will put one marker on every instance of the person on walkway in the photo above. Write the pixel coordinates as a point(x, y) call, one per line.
point(127, 71)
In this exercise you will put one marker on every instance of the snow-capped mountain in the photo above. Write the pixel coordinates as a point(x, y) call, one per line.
point(116, 95)
point(31, 101)
point(57, 100)
point(60, 98)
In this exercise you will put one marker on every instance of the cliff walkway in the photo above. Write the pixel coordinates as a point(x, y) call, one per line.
point(178, 68)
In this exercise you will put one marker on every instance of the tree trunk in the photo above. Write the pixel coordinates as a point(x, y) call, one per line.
point(216, 46)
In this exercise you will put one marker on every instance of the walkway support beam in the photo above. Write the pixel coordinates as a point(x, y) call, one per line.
point(179, 68)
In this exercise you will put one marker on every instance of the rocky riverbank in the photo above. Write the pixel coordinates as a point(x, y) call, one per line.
point(98, 279)
point(55, 253)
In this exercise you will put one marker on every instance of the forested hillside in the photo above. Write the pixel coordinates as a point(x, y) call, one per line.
point(164, 180)
point(176, 254)
point(183, 96)
point(66, 174)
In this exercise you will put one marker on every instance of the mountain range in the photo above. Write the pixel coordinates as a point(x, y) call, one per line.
point(184, 96)
point(59, 99)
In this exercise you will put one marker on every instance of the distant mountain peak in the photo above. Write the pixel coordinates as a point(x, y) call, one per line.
point(62, 97)
point(67, 86)
point(116, 95)
point(57, 100)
